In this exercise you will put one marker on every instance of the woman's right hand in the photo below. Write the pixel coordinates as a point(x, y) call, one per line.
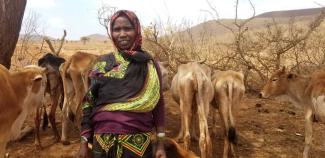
point(83, 151)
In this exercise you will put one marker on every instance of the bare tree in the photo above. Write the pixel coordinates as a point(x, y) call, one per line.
point(11, 15)
point(239, 44)
point(29, 33)
point(175, 42)
point(151, 35)
point(104, 14)
point(284, 39)
point(263, 51)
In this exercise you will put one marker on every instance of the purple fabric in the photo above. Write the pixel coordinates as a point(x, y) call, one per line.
point(120, 122)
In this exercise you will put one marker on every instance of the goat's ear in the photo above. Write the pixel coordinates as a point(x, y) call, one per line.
point(37, 78)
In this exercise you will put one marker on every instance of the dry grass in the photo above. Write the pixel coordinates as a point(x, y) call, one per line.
point(36, 51)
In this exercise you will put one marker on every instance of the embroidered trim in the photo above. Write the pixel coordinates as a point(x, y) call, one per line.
point(100, 66)
point(106, 141)
point(120, 70)
point(147, 98)
point(136, 143)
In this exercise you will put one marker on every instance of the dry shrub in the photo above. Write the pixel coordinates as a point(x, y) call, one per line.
point(298, 45)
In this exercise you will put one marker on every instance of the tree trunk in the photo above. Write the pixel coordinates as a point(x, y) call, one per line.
point(11, 16)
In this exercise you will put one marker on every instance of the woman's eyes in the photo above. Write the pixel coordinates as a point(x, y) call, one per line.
point(118, 29)
point(128, 28)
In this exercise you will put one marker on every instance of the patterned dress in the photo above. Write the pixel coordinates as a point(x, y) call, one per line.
point(123, 129)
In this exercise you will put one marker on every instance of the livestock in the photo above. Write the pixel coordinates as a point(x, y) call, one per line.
point(192, 89)
point(74, 74)
point(229, 89)
point(54, 88)
point(21, 93)
point(174, 150)
point(304, 91)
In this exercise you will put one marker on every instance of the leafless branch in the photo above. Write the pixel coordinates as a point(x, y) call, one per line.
point(47, 40)
point(214, 13)
point(104, 14)
point(61, 44)
point(321, 5)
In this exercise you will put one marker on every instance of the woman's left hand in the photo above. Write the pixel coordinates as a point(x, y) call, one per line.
point(160, 152)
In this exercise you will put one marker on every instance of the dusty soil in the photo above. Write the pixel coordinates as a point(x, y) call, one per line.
point(266, 129)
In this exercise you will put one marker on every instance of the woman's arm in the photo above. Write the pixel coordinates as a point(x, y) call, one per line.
point(87, 106)
point(159, 110)
point(89, 101)
point(87, 109)
point(86, 124)
point(159, 119)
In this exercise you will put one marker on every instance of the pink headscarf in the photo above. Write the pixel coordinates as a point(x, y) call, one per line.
point(135, 22)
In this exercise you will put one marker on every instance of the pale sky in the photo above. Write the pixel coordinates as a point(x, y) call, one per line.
point(79, 17)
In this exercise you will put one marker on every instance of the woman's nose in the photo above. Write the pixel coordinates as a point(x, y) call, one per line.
point(123, 33)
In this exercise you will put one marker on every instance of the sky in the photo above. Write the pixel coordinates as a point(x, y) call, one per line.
point(79, 17)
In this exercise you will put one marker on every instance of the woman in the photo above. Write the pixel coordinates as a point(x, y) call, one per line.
point(125, 101)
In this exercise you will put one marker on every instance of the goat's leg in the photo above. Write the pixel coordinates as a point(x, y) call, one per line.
point(55, 102)
point(37, 122)
point(308, 132)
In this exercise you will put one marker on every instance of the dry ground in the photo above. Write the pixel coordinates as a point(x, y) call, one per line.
point(267, 129)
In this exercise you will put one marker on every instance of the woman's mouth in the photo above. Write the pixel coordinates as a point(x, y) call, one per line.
point(124, 42)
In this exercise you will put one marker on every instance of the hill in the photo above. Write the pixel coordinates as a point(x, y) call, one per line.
point(97, 37)
point(212, 28)
point(291, 13)
point(35, 38)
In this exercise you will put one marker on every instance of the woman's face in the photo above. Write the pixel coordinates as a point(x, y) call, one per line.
point(123, 33)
